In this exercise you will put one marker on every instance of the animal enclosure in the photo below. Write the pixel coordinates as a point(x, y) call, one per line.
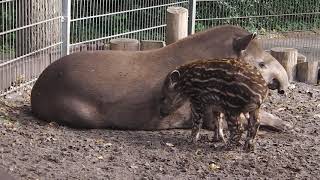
point(286, 23)
point(35, 33)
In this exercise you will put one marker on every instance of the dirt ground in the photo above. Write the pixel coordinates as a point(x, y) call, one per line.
point(33, 149)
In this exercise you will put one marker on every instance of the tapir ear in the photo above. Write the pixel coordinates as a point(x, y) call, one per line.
point(242, 43)
point(174, 78)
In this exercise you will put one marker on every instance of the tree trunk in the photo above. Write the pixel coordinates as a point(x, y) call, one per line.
point(36, 37)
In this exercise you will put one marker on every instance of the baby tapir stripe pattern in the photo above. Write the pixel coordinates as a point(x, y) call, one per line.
point(229, 86)
point(232, 81)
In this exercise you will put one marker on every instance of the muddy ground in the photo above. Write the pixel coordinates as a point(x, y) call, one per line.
point(33, 149)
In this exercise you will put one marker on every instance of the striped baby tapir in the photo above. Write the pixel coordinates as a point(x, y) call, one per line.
point(227, 86)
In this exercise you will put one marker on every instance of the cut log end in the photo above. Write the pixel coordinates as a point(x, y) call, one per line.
point(149, 45)
point(307, 72)
point(125, 44)
point(177, 24)
point(301, 58)
point(177, 10)
point(288, 58)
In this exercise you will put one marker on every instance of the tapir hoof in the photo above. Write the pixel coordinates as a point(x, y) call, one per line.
point(195, 136)
point(219, 138)
point(249, 146)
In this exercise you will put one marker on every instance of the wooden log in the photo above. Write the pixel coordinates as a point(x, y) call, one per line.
point(177, 24)
point(308, 72)
point(125, 44)
point(288, 59)
point(149, 44)
point(100, 45)
point(106, 46)
point(78, 48)
point(301, 58)
point(91, 46)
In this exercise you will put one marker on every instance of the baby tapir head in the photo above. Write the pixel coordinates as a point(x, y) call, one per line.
point(223, 80)
point(172, 98)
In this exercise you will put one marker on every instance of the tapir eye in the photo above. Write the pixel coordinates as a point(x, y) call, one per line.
point(262, 64)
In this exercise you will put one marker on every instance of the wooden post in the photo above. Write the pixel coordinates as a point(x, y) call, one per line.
point(149, 44)
point(288, 59)
point(101, 45)
point(177, 24)
point(301, 58)
point(308, 72)
point(34, 37)
point(125, 44)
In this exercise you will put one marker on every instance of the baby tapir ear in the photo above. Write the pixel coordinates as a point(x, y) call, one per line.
point(242, 43)
point(174, 78)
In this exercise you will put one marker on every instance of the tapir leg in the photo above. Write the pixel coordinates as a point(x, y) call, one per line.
point(73, 112)
point(253, 127)
point(235, 128)
point(197, 114)
point(217, 122)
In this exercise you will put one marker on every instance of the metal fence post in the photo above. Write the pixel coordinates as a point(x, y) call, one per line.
point(192, 16)
point(66, 17)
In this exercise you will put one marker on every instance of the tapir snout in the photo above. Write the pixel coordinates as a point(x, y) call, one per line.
point(271, 70)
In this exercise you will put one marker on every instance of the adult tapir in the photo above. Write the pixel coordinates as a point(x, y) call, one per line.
point(121, 90)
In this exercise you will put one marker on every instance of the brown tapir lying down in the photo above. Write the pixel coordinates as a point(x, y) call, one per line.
point(121, 90)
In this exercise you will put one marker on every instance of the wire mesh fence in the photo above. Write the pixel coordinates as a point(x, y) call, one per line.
point(287, 23)
point(95, 22)
point(30, 40)
point(33, 33)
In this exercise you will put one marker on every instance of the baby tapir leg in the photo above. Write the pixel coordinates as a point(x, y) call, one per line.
point(253, 127)
point(197, 114)
point(235, 127)
point(217, 121)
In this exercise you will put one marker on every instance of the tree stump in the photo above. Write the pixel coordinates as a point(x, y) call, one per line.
point(149, 44)
point(301, 58)
point(177, 24)
point(125, 44)
point(308, 72)
point(288, 58)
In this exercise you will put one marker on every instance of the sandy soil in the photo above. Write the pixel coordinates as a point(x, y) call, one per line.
point(33, 149)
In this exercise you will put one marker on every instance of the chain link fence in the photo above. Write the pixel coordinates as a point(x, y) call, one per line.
point(35, 33)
